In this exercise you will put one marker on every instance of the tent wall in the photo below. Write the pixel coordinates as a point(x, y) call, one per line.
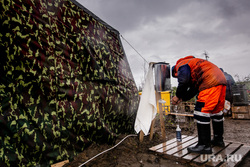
point(65, 82)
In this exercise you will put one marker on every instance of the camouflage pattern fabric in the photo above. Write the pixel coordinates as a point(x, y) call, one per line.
point(65, 82)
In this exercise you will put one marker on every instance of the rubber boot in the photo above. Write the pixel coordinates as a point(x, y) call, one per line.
point(204, 140)
point(218, 134)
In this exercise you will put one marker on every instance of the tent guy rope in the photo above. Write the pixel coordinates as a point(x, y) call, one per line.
point(135, 49)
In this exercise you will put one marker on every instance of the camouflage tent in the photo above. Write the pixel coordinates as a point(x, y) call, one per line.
point(65, 82)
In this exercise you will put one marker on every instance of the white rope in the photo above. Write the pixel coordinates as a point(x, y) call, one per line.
point(135, 49)
point(107, 149)
point(144, 62)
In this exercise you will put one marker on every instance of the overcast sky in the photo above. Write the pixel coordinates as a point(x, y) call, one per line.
point(166, 30)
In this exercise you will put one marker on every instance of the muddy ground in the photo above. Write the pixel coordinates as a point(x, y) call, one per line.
point(132, 153)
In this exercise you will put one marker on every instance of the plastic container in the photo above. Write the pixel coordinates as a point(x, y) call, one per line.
point(178, 133)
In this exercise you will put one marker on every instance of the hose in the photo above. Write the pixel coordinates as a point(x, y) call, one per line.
point(131, 135)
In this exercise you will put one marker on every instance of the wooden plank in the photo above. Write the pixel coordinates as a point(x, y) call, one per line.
point(183, 152)
point(190, 156)
point(152, 129)
point(141, 136)
point(165, 143)
point(229, 156)
point(236, 157)
point(168, 147)
point(182, 114)
point(182, 146)
point(196, 158)
point(240, 115)
point(203, 158)
point(240, 109)
point(220, 157)
point(163, 131)
point(241, 112)
point(60, 164)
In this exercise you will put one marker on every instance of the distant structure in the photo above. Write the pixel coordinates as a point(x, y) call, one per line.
point(206, 55)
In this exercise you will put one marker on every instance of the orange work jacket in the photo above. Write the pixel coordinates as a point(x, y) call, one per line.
point(204, 74)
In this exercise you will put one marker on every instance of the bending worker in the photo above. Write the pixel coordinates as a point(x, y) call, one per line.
point(198, 76)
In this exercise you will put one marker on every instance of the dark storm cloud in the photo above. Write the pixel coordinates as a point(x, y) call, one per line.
point(232, 8)
point(234, 14)
point(128, 14)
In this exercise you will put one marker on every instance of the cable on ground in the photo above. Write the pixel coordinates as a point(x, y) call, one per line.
point(131, 135)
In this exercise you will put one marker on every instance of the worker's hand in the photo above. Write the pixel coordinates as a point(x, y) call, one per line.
point(175, 100)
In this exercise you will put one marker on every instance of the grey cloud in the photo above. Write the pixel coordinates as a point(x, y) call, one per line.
point(128, 14)
point(165, 30)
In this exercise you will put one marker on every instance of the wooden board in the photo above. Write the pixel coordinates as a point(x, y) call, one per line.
point(240, 115)
point(241, 112)
point(175, 144)
point(229, 156)
point(182, 114)
point(239, 155)
point(159, 146)
point(60, 164)
point(206, 159)
point(241, 109)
